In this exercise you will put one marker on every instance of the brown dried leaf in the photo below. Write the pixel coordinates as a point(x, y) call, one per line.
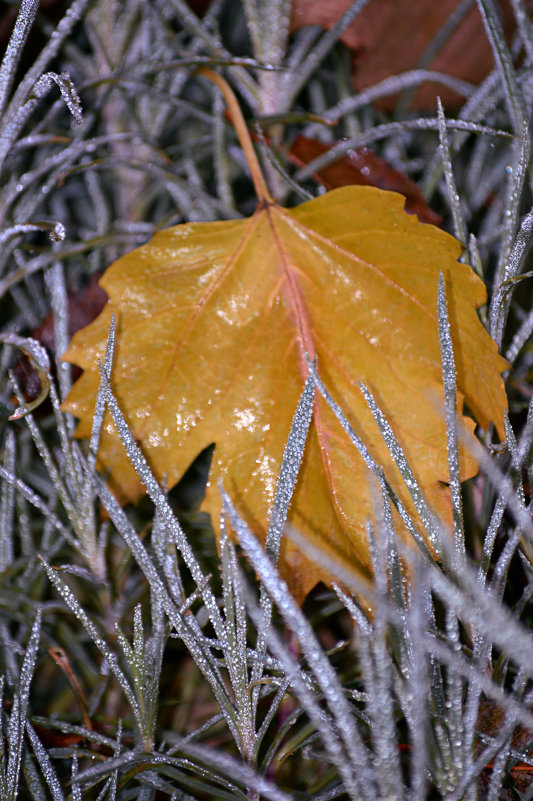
point(390, 36)
point(364, 168)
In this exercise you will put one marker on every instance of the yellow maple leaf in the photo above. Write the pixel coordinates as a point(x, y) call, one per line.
point(214, 324)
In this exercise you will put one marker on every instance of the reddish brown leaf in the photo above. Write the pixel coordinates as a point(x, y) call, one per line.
point(490, 719)
point(56, 739)
point(62, 661)
point(83, 306)
point(390, 36)
point(363, 167)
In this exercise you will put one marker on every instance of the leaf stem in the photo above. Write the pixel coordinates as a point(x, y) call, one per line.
point(263, 195)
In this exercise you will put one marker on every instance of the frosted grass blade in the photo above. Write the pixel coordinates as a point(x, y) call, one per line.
point(77, 610)
point(459, 226)
point(154, 490)
point(429, 520)
point(13, 52)
point(290, 467)
point(19, 711)
point(450, 409)
point(371, 463)
point(322, 670)
point(45, 764)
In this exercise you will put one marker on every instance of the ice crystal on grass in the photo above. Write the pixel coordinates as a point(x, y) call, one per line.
point(450, 408)
point(10, 772)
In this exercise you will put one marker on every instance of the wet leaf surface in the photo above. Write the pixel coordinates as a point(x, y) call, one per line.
point(214, 324)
